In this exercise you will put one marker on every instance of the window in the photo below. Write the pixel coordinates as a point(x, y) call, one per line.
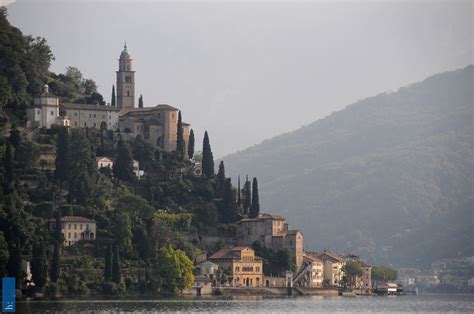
point(75, 235)
point(128, 93)
point(94, 124)
point(75, 123)
point(75, 114)
point(85, 124)
point(75, 226)
point(39, 112)
point(103, 116)
point(68, 235)
point(69, 226)
point(90, 115)
point(80, 226)
point(94, 115)
point(237, 269)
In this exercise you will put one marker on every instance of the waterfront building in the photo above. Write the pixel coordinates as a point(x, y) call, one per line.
point(333, 264)
point(365, 281)
point(245, 268)
point(75, 228)
point(208, 268)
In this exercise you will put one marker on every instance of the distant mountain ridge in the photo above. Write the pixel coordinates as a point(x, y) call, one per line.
point(390, 177)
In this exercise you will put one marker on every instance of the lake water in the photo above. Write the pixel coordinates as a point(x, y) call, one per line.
point(418, 304)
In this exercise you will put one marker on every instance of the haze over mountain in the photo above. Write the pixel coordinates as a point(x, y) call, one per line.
point(390, 177)
point(235, 67)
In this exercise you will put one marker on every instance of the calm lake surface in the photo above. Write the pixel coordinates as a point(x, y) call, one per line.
point(419, 304)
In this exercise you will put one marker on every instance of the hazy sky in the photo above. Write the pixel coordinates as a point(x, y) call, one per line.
point(250, 70)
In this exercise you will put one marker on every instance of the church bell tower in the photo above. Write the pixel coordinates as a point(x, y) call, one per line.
point(125, 81)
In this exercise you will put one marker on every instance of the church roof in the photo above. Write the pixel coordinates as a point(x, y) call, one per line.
point(88, 107)
point(126, 111)
point(125, 54)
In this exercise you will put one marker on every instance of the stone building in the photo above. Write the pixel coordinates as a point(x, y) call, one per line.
point(75, 228)
point(273, 232)
point(90, 116)
point(246, 269)
point(157, 125)
point(45, 111)
point(125, 81)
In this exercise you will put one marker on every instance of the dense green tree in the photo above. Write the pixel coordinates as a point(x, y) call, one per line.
point(207, 157)
point(122, 231)
point(180, 146)
point(384, 273)
point(112, 102)
point(123, 166)
point(116, 271)
point(108, 262)
point(4, 254)
point(143, 152)
point(351, 271)
point(39, 265)
point(191, 144)
point(172, 270)
point(63, 158)
point(220, 182)
point(137, 208)
point(255, 207)
point(27, 154)
point(83, 170)
point(140, 101)
point(24, 63)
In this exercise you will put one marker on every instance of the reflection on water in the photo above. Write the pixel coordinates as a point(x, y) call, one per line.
point(423, 303)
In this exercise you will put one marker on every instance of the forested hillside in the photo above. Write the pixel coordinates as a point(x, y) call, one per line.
point(389, 177)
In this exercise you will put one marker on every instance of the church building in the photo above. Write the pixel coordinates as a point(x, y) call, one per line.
point(158, 125)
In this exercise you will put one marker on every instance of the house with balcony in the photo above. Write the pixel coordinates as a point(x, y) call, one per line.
point(75, 228)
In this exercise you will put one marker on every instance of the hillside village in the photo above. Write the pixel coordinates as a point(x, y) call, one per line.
point(120, 200)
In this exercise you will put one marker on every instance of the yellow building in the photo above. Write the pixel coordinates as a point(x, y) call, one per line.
point(75, 229)
point(246, 269)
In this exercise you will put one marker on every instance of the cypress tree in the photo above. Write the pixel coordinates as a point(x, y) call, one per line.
point(112, 102)
point(116, 272)
point(229, 212)
point(9, 168)
point(108, 263)
point(247, 196)
point(255, 207)
point(58, 241)
point(180, 147)
point(191, 144)
point(238, 191)
point(207, 158)
point(83, 169)
point(221, 181)
point(39, 265)
point(15, 136)
point(140, 101)
point(63, 160)
point(123, 166)
point(14, 261)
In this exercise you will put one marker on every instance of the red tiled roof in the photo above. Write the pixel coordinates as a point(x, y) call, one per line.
point(87, 107)
point(230, 253)
point(263, 217)
point(75, 219)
